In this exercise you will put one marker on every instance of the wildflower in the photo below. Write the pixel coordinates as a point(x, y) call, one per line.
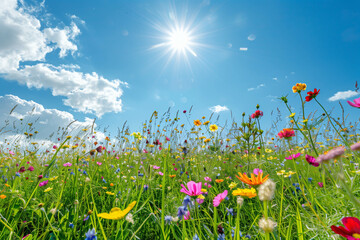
point(267, 225)
point(99, 163)
point(71, 225)
point(181, 212)
point(43, 183)
point(67, 164)
point(197, 122)
point(48, 189)
point(160, 173)
point(219, 198)
point(91, 235)
point(129, 218)
point(110, 193)
point(311, 160)
point(116, 213)
point(99, 149)
point(194, 189)
point(219, 180)
point(187, 215)
point(156, 167)
point(53, 211)
point(167, 219)
point(351, 229)
point(250, 193)
point(311, 95)
point(254, 181)
point(257, 171)
point(333, 153)
point(207, 179)
point(292, 115)
point(2, 196)
point(257, 114)
point(355, 104)
point(213, 127)
point(286, 133)
point(299, 87)
point(321, 184)
point(239, 201)
point(355, 147)
point(293, 156)
point(31, 168)
point(232, 185)
point(187, 201)
point(266, 190)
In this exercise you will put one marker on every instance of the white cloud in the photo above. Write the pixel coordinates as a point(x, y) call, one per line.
point(218, 108)
point(257, 87)
point(251, 37)
point(243, 49)
point(275, 79)
point(22, 41)
point(46, 121)
point(343, 95)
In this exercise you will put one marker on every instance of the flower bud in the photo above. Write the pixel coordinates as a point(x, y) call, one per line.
point(239, 201)
point(267, 225)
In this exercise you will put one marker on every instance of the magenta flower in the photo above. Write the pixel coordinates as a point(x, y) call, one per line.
point(11, 152)
point(156, 167)
point(22, 169)
point(207, 179)
point(43, 183)
point(355, 104)
point(311, 160)
point(199, 200)
point(98, 163)
point(67, 164)
point(161, 174)
point(355, 147)
point(257, 171)
point(187, 215)
point(31, 168)
point(219, 198)
point(321, 184)
point(293, 156)
point(194, 189)
point(55, 147)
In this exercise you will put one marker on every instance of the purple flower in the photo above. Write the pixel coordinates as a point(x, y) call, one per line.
point(43, 183)
point(311, 160)
point(321, 184)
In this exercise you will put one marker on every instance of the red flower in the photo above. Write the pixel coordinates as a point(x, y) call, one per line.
point(311, 95)
point(257, 114)
point(286, 133)
point(351, 231)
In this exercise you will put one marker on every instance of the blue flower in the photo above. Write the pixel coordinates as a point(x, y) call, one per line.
point(181, 212)
point(168, 219)
point(91, 234)
point(117, 170)
point(17, 174)
point(310, 179)
point(71, 225)
point(187, 201)
point(230, 211)
point(221, 237)
point(196, 237)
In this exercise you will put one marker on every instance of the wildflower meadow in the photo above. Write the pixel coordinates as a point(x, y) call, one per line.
point(188, 177)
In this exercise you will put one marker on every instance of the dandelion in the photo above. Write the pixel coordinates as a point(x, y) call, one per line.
point(266, 190)
point(116, 213)
point(219, 198)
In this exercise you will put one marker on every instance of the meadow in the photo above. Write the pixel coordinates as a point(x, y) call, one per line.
point(187, 177)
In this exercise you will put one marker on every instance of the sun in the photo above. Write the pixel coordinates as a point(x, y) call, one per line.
point(180, 41)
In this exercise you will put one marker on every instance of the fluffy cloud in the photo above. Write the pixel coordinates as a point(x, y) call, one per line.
point(251, 37)
point(22, 40)
point(343, 95)
point(16, 113)
point(218, 108)
point(257, 87)
point(243, 49)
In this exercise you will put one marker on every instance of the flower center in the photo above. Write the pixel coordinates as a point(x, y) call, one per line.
point(356, 235)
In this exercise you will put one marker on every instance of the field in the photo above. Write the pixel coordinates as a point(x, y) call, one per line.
point(182, 177)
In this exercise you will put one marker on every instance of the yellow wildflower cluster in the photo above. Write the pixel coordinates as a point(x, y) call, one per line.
point(299, 87)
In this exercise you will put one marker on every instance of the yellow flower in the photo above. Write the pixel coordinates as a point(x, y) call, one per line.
point(48, 189)
point(197, 122)
point(116, 213)
point(110, 193)
point(292, 115)
point(305, 120)
point(201, 196)
point(213, 127)
point(54, 178)
point(232, 185)
point(2, 196)
point(250, 193)
point(281, 172)
point(203, 190)
point(299, 87)
point(207, 140)
point(206, 123)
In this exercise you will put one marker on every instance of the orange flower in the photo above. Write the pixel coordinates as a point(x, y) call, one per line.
point(219, 180)
point(2, 196)
point(197, 122)
point(111, 184)
point(254, 180)
point(172, 176)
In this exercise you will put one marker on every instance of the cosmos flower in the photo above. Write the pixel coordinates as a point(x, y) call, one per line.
point(67, 164)
point(355, 104)
point(311, 160)
point(219, 198)
point(293, 156)
point(311, 95)
point(257, 171)
point(116, 213)
point(43, 183)
point(194, 189)
point(351, 231)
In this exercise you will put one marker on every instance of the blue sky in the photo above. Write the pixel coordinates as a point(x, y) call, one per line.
point(282, 42)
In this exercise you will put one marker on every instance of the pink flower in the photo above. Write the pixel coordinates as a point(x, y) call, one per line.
point(11, 152)
point(356, 103)
point(257, 171)
point(98, 163)
point(311, 160)
point(333, 153)
point(219, 198)
point(209, 186)
point(293, 156)
point(40, 177)
point(194, 189)
point(55, 147)
point(161, 174)
point(175, 169)
point(145, 151)
point(156, 167)
point(43, 183)
point(31, 168)
point(187, 215)
point(355, 147)
point(67, 164)
point(167, 139)
point(207, 179)
point(321, 184)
